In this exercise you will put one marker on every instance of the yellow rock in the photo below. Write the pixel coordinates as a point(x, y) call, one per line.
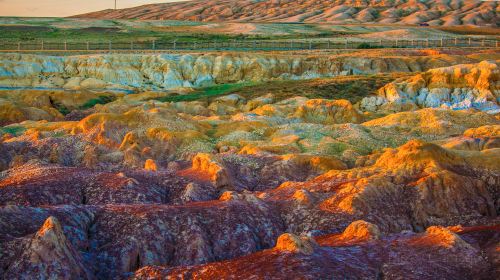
point(483, 131)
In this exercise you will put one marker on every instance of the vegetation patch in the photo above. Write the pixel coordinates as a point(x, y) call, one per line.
point(62, 109)
point(206, 93)
point(13, 130)
point(103, 99)
point(352, 88)
point(336, 148)
point(368, 46)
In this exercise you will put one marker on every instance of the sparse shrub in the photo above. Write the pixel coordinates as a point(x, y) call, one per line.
point(336, 148)
point(100, 100)
point(366, 46)
point(61, 108)
point(206, 92)
point(12, 130)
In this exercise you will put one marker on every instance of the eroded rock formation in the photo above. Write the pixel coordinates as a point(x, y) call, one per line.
point(244, 186)
point(456, 87)
point(170, 71)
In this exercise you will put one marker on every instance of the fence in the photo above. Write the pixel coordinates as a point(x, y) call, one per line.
point(247, 45)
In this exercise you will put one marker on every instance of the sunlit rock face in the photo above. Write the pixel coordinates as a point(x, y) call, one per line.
point(393, 256)
point(457, 87)
point(49, 254)
point(424, 182)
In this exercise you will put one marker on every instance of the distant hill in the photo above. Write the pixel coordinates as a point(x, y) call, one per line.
point(433, 12)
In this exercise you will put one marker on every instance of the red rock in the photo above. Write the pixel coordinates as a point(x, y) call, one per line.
point(48, 255)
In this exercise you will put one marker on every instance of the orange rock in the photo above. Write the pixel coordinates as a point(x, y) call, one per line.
point(49, 255)
point(150, 165)
point(361, 230)
point(295, 244)
point(303, 197)
point(329, 112)
point(218, 174)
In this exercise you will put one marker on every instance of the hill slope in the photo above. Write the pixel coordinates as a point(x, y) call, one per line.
point(442, 12)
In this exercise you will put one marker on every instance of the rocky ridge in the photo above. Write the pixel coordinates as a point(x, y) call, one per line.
point(170, 71)
point(455, 87)
point(447, 13)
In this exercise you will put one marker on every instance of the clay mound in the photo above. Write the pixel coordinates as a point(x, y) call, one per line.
point(49, 255)
point(441, 184)
point(483, 131)
point(417, 154)
point(446, 238)
point(475, 139)
point(292, 243)
point(429, 125)
point(361, 230)
point(36, 185)
point(335, 11)
point(217, 174)
point(328, 112)
point(398, 256)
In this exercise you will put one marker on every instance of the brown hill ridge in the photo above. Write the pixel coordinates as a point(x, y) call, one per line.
point(442, 12)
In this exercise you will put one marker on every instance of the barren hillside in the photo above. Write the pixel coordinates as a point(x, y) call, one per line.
point(441, 12)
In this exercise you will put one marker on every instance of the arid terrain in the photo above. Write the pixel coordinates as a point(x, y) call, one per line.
point(365, 164)
point(302, 164)
point(443, 12)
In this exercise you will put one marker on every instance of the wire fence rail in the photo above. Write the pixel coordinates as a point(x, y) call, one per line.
point(247, 45)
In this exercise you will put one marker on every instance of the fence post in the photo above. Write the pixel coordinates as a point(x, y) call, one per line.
point(42, 45)
point(65, 45)
point(154, 45)
point(18, 46)
point(397, 43)
point(469, 42)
